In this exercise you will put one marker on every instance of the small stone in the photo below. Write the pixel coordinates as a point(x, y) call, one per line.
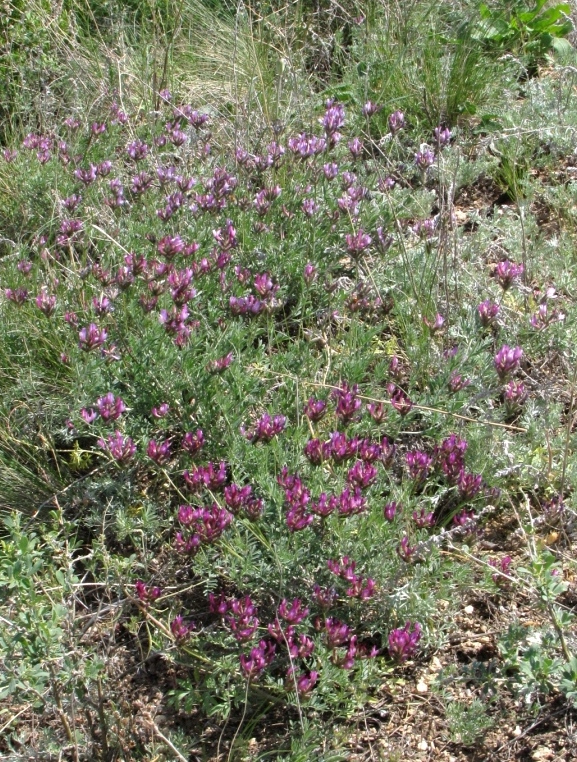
point(422, 745)
point(469, 609)
point(422, 686)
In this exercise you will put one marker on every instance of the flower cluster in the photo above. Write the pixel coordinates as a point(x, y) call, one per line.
point(203, 526)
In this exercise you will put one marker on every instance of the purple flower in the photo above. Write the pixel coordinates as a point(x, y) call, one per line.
point(424, 158)
point(145, 593)
point(442, 136)
point(46, 303)
point(418, 464)
point(89, 416)
point(103, 169)
point(390, 510)
point(347, 401)
point(396, 121)
point(324, 596)
point(352, 502)
point(294, 613)
point(255, 663)
point(343, 568)
point(304, 683)
point(91, 337)
point(316, 451)
point(403, 642)
point(204, 525)
point(110, 407)
point(237, 497)
point(192, 442)
point(515, 393)
point(507, 272)
point(265, 428)
point(386, 184)
point(362, 475)
point(160, 411)
point(181, 630)
point(101, 305)
point(503, 566)
point(337, 633)
point(435, 325)
point(118, 447)
point(406, 551)
point(137, 150)
point(400, 401)
point(507, 360)
point(468, 484)
point(17, 295)
point(370, 109)
point(355, 146)
point(357, 242)
point(465, 519)
point(217, 604)
point(242, 620)
point(330, 171)
point(86, 176)
point(334, 118)
point(457, 382)
point(315, 409)
point(159, 451)
point(206, 477)
point(300, 648)
point(325, 505)
point(423, 519)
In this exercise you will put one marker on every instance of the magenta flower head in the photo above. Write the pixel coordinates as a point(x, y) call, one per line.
point(434, 325)
point(334, 118)
point(390, 510)
point(330, 170)
point(265, 428)
point(396, 121)
point(45, 302)
point(507, 360)
point(304, 683)
point(423, 519)
point(442, 136)
point(89, 416)
point(403, 642)
point(110, 407)
point(424, 158)
point(348, 403)
point(91, 337)
point(294, 613)
point(260, 657)
point(145, 593)
point(315, 409)
point(370, 109)
point(457, 382)
point(507, 272)
point(337, 633)
point(355, 147)
point(180, 629)
point(161, 410)
point(400, 400)
point(16, 295)
point(515, 393)
point(192, 442)
point(159, 451)
point(418, 464)
point(406, 551)
point(357, 243)
point(118, 447)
